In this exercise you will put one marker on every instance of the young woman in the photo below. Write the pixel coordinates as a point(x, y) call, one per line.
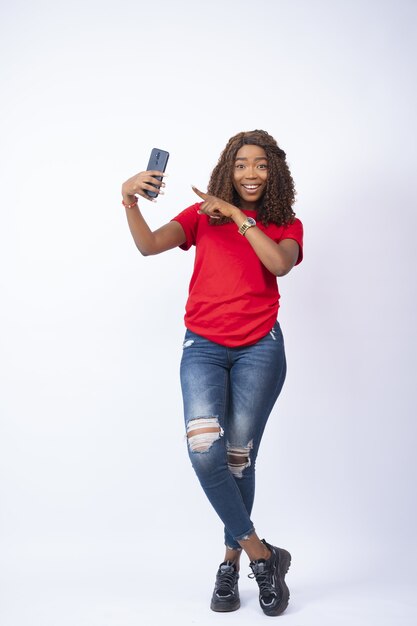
point(233, 364)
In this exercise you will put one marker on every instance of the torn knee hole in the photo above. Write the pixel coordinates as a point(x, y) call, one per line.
point(202, 432)
point(238, 458)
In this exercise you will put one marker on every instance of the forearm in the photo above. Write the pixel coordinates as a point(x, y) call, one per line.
point(142, 235)
point(147, 241)
point(275, 257)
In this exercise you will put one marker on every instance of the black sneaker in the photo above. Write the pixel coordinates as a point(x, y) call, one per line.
point(226, 593)
point(270, 573)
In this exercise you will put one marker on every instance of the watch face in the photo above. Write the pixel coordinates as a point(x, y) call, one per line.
point(249, 221)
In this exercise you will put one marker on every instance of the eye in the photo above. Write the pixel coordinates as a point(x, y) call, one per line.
point(239, 166)
point(263, 166)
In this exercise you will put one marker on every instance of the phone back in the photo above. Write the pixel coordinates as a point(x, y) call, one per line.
point(157, 161)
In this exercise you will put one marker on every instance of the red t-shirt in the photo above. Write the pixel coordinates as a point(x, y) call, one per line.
point(233, 299)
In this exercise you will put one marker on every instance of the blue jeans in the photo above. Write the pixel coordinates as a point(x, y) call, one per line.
point(228, 394)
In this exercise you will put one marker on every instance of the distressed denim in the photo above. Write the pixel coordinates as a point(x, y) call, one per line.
point(228, 395)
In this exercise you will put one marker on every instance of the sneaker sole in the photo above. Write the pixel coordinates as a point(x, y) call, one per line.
point(284, 563)
point(225, 608)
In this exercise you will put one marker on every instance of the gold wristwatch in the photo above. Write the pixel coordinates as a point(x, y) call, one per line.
point(248, 223)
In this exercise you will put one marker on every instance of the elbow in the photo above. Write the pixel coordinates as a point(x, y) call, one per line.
point(282, 269)
point(144, 251)
point(148, 251)
point(284, 266)
point(146, 248)
point(276, 269)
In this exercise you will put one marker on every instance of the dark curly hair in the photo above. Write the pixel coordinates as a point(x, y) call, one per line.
point(276, 203)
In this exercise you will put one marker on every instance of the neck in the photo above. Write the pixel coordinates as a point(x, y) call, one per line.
point(248, 206)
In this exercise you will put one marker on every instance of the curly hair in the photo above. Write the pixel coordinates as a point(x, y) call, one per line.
point(276, 203)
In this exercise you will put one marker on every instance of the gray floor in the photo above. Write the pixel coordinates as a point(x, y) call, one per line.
point(89, 585)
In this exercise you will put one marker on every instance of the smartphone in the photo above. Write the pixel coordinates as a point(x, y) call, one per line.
point(157, 161)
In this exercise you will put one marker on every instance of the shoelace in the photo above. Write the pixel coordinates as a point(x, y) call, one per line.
point(226, 579)
point(263, 578)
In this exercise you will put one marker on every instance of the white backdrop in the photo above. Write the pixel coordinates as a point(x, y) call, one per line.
point(102, 521)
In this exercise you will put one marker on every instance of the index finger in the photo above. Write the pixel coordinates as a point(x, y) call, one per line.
point(199, 193)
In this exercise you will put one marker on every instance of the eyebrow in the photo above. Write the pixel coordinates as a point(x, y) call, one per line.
point(259, 158)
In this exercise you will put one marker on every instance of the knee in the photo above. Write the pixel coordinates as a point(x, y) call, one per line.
point(238, 458)
point(202, 432)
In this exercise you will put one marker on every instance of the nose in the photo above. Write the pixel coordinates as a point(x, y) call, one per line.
point(251, 172)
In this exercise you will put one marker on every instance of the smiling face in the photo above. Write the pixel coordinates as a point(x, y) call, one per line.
point(250, 173)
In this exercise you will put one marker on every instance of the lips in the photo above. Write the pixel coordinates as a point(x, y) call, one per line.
point(251, 189)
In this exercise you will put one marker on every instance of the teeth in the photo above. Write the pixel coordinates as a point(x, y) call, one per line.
point(251, 186)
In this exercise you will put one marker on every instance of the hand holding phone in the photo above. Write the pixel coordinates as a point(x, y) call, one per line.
point(144, 183)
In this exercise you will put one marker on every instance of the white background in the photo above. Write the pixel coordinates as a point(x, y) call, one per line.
point(102, 520)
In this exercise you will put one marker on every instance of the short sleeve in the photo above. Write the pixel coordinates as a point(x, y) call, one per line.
point(295, 231)
point(189, 222)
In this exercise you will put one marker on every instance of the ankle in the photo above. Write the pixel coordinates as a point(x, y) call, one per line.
point(268, 554)
point(263, 554)
point(233, 556)
point(259, 552)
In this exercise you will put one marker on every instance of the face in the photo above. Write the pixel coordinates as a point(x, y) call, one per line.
point(250, 173)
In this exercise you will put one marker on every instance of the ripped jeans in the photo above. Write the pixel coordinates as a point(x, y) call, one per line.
point(228, 394)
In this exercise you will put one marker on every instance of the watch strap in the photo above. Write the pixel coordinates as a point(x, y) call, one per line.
point(248, 223)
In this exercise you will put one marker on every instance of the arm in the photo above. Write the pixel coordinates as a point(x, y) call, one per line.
point(150, 242)
point(278, 258)
point(147, 241)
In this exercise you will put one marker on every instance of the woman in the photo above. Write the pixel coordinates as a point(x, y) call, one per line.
point(233, 364)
